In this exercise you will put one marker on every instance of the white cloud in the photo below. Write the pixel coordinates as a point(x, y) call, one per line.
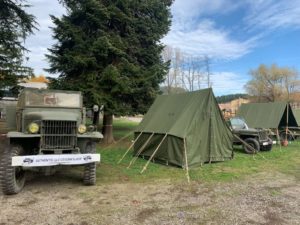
point(273, 14)
point(228, 83)
point(206, 39)
point(38, 43)
point(187, 9)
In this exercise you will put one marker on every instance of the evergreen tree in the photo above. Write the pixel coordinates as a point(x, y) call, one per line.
point(15, 26)
point(111, 51)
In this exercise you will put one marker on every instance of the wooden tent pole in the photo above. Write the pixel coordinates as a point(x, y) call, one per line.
point(287, 121)
point(278, 138)
point(186, 161)
point(140, 151)
point(249, 146)
point(114, 143)
point(129, 148)
point(146, 165)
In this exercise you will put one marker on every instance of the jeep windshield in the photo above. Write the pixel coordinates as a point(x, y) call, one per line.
point(238, 123)
point(52, 99)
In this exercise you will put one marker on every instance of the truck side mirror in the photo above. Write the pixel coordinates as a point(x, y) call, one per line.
point(95, 108)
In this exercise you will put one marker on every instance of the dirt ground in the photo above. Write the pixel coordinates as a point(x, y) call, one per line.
point(269, 199)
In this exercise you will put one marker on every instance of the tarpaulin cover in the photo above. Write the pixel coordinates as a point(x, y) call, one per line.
point(271, 115)
point(297, 115)
point(193, 116)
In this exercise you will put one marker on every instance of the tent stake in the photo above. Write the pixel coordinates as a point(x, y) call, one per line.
point(129, 148)
point(146, 165)
point(140, 151)
point(186, 161)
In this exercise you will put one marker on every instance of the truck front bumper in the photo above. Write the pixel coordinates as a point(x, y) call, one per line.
point(54, 160)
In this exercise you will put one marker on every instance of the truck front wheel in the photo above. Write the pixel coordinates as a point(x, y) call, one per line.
point(12, 178)
point(254, 144)
point(89, 174)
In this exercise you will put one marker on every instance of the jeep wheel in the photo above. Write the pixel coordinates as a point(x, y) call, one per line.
point(12, 178)
point(89, 174)
point(253, 143)
point(268, 147)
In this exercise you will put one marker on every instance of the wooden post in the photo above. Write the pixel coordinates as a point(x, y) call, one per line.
point(146, 165)
point(186, 161)
point(287, 121)
point(140, 151)
point(278, 139)
point(129, 148)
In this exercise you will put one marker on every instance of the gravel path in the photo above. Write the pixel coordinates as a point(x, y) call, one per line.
point(269, 199)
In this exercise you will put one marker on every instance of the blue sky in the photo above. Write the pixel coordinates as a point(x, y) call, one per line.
point(237, 35)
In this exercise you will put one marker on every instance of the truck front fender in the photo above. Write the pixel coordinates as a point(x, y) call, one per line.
point(15, 134)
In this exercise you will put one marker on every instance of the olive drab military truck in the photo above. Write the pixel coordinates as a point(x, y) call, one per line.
point(47, 129)
point(257, 139)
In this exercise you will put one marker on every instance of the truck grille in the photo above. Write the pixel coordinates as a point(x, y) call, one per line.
point(263, 135)
point(57, 135)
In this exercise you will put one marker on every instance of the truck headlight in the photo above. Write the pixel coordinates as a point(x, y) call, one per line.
point(33, 128)
point(81, 129)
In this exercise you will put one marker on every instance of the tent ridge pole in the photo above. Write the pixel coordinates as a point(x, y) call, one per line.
point(129, 148)
point(140, 151)
point(146, 165)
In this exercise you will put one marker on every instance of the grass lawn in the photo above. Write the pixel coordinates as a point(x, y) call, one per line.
point(284, 160)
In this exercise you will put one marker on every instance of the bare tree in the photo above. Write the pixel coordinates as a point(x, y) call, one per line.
point(207, 63)
point(186, 71)
point(174, 57)
point(191, 72)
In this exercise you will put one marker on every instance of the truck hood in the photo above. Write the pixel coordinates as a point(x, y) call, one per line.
point(52, 115)
point(246, 131)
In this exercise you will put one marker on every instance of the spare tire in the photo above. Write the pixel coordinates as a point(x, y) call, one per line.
point(253, 143)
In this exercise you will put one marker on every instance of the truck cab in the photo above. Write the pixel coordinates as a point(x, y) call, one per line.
point(47, 128)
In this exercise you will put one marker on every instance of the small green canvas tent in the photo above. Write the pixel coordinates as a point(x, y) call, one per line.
point(184, 130)
point(297, 115)
point(272, 115)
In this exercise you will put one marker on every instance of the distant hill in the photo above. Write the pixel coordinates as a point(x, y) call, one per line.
point(228, 98)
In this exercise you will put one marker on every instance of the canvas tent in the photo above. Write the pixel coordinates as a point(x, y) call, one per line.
point(297, 115)
point(184, 130)
point(271, 115)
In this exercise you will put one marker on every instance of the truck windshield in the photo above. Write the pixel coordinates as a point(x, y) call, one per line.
point(238, 123)
point(70, 100)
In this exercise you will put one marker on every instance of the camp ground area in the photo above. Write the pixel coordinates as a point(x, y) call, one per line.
point(249, 189)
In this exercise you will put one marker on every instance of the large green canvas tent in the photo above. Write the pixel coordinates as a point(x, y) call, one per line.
point(270, 115)
point(184, 130)
point(297, 115)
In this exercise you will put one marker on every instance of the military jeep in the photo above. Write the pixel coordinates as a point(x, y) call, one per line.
point(258, 139)
point(47, 129)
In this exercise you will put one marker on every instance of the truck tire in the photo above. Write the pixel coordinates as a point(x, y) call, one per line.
point(268, 147)
point(12, 179)
point(253, 143)
point(89, 174)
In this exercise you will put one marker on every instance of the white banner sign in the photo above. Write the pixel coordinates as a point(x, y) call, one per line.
point(54, 160)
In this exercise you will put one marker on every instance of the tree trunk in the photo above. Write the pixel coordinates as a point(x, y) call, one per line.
point(107, 129)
